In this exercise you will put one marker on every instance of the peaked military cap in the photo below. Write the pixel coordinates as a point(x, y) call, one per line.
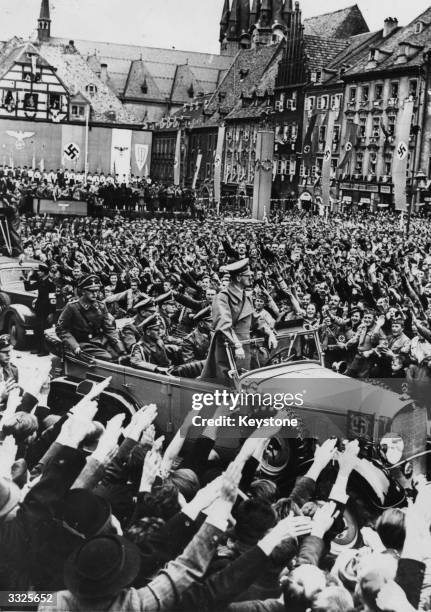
point(237, 267)
point(202, 315)
point(147, 303)
point(90, 283)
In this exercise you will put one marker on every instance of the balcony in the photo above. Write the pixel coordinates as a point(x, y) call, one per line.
point(364, 105)
point(374, 142)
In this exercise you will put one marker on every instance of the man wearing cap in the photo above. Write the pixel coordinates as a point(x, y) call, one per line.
point(132, 332)
point(233, 319)
point(197, 343)
point(85, 324)
point(150, 348)
point(45, 303)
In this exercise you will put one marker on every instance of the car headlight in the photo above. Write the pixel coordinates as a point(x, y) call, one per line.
point(392, 447)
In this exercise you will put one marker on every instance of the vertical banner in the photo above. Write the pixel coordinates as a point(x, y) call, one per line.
point(177, 160)
point(197, 169)
point(121, 145)
point(218, 164)
point(73, 147)
point(307, 153)
point(141, 153)
point(327, 158)
point(349, 145)
point(401, 154)
point(263, 174)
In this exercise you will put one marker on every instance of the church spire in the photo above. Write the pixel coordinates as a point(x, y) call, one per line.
point(224, 20)
point(244, 23)
point(287, 12)
point(44, 22)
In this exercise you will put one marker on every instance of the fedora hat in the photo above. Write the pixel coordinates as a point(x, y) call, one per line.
point(102, 567)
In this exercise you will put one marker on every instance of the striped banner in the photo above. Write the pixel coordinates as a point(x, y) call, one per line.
point(327, 157)
point(177, 160)
point(218, 163)
point(307, 151)
point(401, 156)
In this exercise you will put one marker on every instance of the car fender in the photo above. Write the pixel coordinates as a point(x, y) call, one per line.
point(25, 315)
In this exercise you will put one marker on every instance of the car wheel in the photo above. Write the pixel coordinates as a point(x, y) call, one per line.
point(17, 333)
point(349, 536)
point(276, 456)
point(4, 301)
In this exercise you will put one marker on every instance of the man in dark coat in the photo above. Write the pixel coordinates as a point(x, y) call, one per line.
point(151, 348)
point(45, 303)
point(85, 324)
point(196, 345)
point(233, 320)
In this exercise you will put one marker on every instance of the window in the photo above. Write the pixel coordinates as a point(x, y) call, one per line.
point(322, 133)
point(363, 127)
point(323, 102)
point(337, 130)
point(30, 101)
point(359, 162)
point(418, 27)
point(352, 94)
point(391, 124)
point(378, 91)
point(413, 88)
point(91, 89)
point(78, 110)
point(54, 102)
point(388, 163)
point(316, 76)
point(395, 87)
point(376, 127)
point(336, 101)
point(311, 101)
point(365, 93)
point(373, 162)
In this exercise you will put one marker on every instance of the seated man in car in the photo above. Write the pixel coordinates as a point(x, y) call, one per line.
point(85, 324)
point(150, 349)
point(197, 343)
point(131, 332)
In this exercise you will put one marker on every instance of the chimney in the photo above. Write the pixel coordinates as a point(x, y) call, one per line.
point(104, 73)
point(390, 24)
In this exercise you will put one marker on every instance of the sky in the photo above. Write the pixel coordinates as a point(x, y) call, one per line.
point(183, 24)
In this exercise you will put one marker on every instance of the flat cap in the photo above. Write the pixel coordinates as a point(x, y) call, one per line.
point(4, 342)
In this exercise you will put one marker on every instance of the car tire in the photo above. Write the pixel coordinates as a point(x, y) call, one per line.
point(4, 301)
point(17, 333)
point(349, 537)
point(276, 457)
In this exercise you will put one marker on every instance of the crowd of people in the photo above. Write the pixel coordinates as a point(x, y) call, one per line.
point(101, 191)
point(112, 517)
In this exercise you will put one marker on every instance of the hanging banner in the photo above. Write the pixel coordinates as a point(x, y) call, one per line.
point(327, 157)
point(197, 169)
point(218, 164)
point(401, 155)
point(307, 153)
point(141, 155)
point(71, 153)
point(121, 153)
point(349, 145)
point(177, 160)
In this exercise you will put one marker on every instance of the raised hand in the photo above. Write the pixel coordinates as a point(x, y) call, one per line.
point(324, 519)
point(108, 442)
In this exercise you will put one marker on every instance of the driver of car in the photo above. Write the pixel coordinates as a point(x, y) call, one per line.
point(150, 348)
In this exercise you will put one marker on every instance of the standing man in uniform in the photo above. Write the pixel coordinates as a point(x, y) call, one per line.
point(45, 303)
point(233, 321)
point(85, 325)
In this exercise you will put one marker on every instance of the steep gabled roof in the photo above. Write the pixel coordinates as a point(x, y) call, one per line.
point(138, 77)
point(186, 85)
point(338, 24)
point(321, 50)
point(390, 46)
point(161, 63)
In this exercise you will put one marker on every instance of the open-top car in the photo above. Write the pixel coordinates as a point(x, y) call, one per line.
point(17, 317)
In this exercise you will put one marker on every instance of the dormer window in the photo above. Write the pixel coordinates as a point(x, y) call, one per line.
point(144, 87)
point(316, 76)
point(419, 26)
point(91, 89)
point(191, 91)
point(78, 111)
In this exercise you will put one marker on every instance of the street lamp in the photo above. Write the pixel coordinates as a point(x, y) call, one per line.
point(418, 184)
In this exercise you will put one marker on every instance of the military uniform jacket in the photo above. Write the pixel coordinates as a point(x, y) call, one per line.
point(149, 352)
point(195, 346)
point(80, 322)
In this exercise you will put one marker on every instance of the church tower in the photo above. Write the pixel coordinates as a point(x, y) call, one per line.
point(44, 23)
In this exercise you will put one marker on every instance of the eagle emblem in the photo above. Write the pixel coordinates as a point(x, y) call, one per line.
point(20, 137)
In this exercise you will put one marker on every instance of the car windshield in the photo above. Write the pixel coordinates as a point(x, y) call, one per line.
point(292, 346)
point(12, 278)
